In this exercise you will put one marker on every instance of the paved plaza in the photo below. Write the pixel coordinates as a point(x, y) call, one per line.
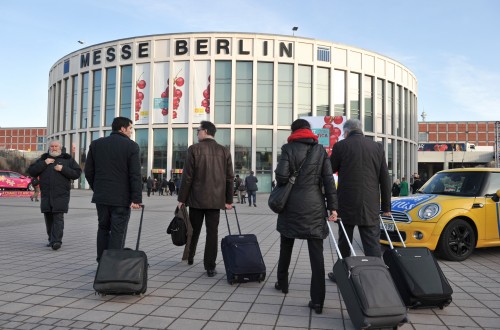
point(45, 289)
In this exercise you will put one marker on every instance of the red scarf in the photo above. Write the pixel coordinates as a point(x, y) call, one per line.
point(302, 133)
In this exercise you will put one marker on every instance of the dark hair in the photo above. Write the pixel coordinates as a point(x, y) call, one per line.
point(120, 122)
point(300, 123)
point(209, 126)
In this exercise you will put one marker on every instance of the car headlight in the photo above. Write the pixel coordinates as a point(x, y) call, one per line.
point(429, 211)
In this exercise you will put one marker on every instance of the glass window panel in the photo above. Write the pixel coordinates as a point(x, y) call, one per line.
point(339, 92)
point(74, 102)
point(354, 96)
point(265, 79)
point(399, 112)
point(244, 78)
point(380, 108)
point(399, 150)
point(390, 107)
point(407, 113)
point(96, 99)
point(67, 103)
point(223, 79)
point(179, 147)
point(304, 85)
point(95, 135)
point(141, 137)
point(264, 159)
point(109, 113)
point(285, 94)
point(282, 138)
point(83, 158)
point(126, 92)
point(368, 99)
point(242, 150)
point(160, 148)
point(85, 94)
point(323, 92)
point(389, 157)
point(223, 137)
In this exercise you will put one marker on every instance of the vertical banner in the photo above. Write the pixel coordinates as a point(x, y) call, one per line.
point(180, 92)
point(201, 93)
point(161, 89)
point(142, 88)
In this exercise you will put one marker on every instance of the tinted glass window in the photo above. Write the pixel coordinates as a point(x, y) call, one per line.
point(493, 183)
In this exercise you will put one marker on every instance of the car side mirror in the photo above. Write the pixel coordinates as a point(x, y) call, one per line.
point(496, 197)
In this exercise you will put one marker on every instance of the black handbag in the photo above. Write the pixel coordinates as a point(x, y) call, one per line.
point(279, 195)
point(177, 228)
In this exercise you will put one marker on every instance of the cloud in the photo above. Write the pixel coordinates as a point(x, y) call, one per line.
point(473, 89)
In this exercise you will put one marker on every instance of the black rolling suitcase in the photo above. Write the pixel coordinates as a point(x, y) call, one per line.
point(242, 257)
point(418, 277)
point(369, 293)
point(123, 271)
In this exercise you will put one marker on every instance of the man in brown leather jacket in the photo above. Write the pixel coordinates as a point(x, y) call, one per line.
point(206, 188)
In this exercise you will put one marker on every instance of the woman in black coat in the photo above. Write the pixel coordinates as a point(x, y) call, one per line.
point(305, 213)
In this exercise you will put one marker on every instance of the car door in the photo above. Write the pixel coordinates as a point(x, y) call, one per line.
point(492, 207)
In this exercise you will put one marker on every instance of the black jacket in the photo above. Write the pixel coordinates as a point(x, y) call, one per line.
point(305, 213)
point(55, 186)
point(113, 171)
point(364, 184)
point(207, 176)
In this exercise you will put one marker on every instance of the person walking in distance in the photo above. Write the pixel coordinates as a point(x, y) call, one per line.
point(206, 188)
point(404, 189)
point(251, 187)
point(149, 185)
point(364, 188)
point(55, 170)
point(113, 171)
point(305, 211)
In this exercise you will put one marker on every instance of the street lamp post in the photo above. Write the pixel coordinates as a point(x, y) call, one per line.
point(295, 28)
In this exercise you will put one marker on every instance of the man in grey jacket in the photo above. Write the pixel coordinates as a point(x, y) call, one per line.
point(251, 185)
point(364, 188)
point(206, 188)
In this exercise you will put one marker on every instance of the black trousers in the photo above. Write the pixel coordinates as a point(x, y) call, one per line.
point(54, 223)
point(370, 238)
point(315, 246)
point(112, 229)
point(212, 241)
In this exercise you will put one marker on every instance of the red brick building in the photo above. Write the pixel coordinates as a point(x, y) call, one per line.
point(479, 133)
point(23, 138)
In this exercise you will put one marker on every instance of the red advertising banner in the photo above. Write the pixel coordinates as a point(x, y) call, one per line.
point(142, 88)
point(161, 93)
point(180, 97)
point(201, 95)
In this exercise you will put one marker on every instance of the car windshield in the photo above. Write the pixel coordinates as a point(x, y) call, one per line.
point(454, 183)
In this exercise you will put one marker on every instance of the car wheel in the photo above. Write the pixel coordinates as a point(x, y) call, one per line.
point(30, 187)
point(457, 241)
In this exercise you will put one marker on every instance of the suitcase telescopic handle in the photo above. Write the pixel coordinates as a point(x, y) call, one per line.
point(140, 228)
point(237, 221)
point(346, 237)
point(387, 234)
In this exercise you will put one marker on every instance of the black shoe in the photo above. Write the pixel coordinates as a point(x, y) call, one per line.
point(331, 276)
point(318, 309)
point(211, 272)
point(278, 287)
point(190, 261)
point(48, 245)
point(255, 205)
point(56, 246)
point(31, 198)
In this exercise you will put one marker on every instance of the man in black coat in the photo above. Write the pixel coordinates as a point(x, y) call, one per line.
point(113, 171)
point(364, 188)
point(55, 170)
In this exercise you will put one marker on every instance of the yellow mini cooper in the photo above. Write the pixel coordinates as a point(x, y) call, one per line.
point(453, 213)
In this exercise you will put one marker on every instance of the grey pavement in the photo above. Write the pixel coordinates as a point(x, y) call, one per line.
point(45, 289)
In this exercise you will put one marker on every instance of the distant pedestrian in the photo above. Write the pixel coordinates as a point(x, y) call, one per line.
point(171, 187)
point(113, 170)
point(149, 185)
point(417, 184)
point(35, 183)
point(251, 188)
point(404, 189)
point(55, 170)
point(164, 185)
point(395, 188)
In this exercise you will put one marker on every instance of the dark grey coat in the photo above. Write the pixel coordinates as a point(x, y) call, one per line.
point(113, 171)
point(305, 213)
point(364, 184)
point(55, 186)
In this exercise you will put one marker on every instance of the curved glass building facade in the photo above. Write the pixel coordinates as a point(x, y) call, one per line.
point(252, 86)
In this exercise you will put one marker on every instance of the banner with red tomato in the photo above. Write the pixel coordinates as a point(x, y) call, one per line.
point(142, 88)
point(180, 92)
point(201, 95)
point(441, 147)
point(161, 91)
point(328, 128)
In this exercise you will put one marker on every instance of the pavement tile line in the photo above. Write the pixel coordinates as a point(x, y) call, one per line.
point(45, 289)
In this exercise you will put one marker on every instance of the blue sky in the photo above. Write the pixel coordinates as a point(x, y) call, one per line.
point(452, 46)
